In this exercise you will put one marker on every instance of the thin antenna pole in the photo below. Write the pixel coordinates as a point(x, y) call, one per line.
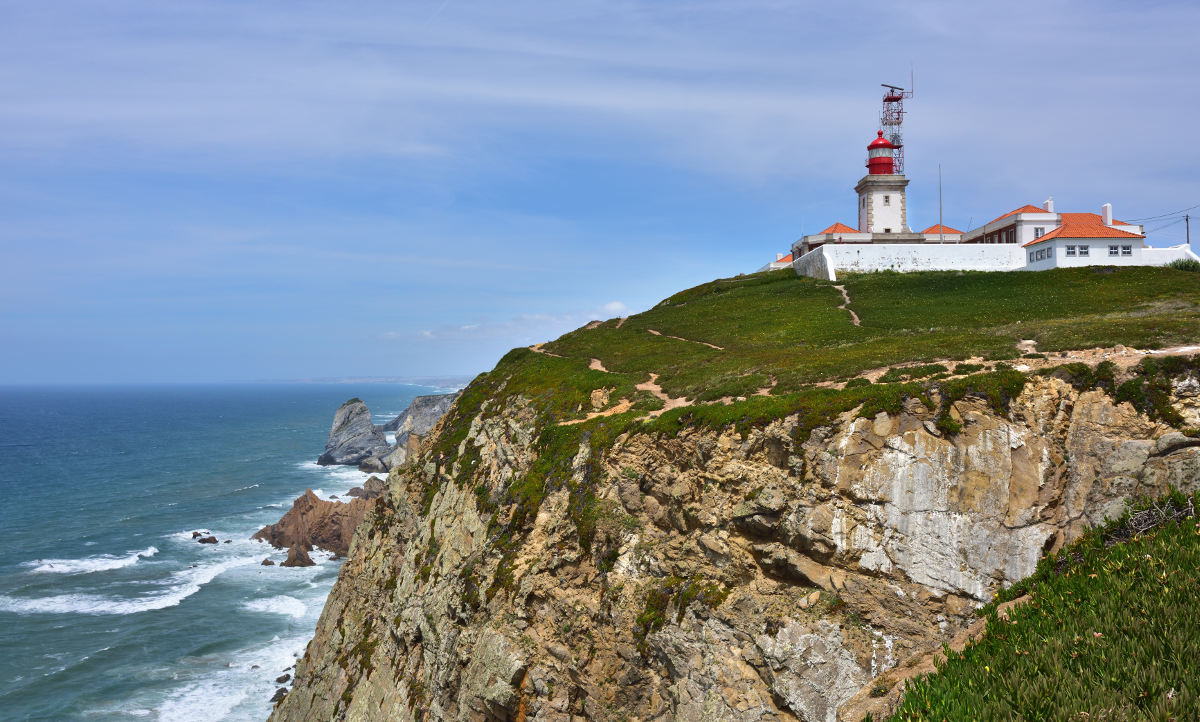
point(941, 228)
point(1187, 225)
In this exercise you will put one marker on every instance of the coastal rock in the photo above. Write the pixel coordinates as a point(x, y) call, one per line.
point(297, 557)
point(353, 438)
point(268, 563)
point(207, 540)
point(374, 465)
point(314, 522)
point(279, 694)
point(373, 488)
point(422, 414)
point(283, 678)
point(412, 425)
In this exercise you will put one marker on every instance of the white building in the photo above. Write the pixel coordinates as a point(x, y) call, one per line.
point(1028, 238)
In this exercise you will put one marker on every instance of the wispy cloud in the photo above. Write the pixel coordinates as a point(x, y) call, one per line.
point(525, 328)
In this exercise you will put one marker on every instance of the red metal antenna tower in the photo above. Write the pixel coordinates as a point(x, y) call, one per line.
point(891, 120)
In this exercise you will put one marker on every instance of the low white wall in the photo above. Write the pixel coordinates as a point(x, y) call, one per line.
point(830, 259)
point(1163, 256)
point(813, 264)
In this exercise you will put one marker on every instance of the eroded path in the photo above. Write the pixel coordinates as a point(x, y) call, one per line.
point(688, 340)
point(537, 348)
point(846, 306)
point(656, 391)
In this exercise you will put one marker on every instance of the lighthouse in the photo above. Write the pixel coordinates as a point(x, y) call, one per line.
point(881, 202)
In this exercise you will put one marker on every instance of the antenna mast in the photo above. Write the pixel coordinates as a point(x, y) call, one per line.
point(891, 120)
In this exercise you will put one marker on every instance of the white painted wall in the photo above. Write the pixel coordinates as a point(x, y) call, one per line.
point(887, 206)
point(1163, 256)
point(828, 260)
point(1098, 253)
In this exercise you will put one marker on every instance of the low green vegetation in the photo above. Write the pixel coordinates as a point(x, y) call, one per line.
point(1109, 632)
point(779, 326)
point(673, 592)
point(1185, 264)
point(1148, 389)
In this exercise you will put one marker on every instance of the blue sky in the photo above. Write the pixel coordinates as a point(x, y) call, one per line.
point(208, 191)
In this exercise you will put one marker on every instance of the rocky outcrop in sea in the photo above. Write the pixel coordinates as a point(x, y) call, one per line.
point(353, 438)
point(314, 522)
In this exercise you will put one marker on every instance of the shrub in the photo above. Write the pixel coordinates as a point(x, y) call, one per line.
point(1185, 264)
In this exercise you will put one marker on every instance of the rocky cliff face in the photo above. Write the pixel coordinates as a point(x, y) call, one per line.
point(353, 438)
point(710, 575)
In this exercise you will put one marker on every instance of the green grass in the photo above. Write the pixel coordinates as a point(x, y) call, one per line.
point(789, 328)
point(1110, 633)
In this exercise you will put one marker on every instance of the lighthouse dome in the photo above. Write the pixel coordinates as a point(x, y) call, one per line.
point(880, 156)
point(880, 142)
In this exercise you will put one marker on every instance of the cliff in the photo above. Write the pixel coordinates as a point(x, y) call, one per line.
point(575, 541)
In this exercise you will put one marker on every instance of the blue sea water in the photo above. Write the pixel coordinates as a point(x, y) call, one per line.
point(109, 610)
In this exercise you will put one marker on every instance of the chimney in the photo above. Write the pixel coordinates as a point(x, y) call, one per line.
point(1049, 204)
point(778, 256)
point(1106, 213)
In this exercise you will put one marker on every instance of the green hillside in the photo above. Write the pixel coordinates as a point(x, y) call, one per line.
point(1109, 632)
point(779, 325)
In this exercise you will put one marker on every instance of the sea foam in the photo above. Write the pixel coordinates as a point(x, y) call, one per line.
point(98, 563)
point(283, 604)
point(183, 584)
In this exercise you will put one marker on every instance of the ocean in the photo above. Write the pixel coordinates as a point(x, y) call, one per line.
point(109, 610)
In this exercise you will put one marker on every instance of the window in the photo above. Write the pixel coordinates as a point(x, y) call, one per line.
point(887, 200)
point(1070, 250)
point(864, 202)
point(1083, 250)
point(1126, 250)
point(1031, 256)
point(1040, 231)
point(887, 230)
point(1112, 251)
point(1012, 236)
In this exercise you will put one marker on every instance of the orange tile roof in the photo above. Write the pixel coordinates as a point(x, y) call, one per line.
point(1084, 225)
point(785, 259)
point(939, 228)
point(840, 228)
point(1023, 209)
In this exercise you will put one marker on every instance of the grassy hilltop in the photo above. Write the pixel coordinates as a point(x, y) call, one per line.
point(747, 350)
point(782, 335)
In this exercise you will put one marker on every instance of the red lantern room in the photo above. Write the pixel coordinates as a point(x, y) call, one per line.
point(880, 156)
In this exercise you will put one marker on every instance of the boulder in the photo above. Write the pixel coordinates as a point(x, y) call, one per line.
point(374, 488)
point(374, 465)
point(297, 557)
point(283, 678)
point(279, 694)
point(268, 563)
point(207, 540)
point(353, 438)
point(314, 522)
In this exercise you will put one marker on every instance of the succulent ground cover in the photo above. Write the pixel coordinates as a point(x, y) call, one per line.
point(1109, 632)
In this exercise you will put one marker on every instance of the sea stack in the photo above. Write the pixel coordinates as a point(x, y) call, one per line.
point(353, 438)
